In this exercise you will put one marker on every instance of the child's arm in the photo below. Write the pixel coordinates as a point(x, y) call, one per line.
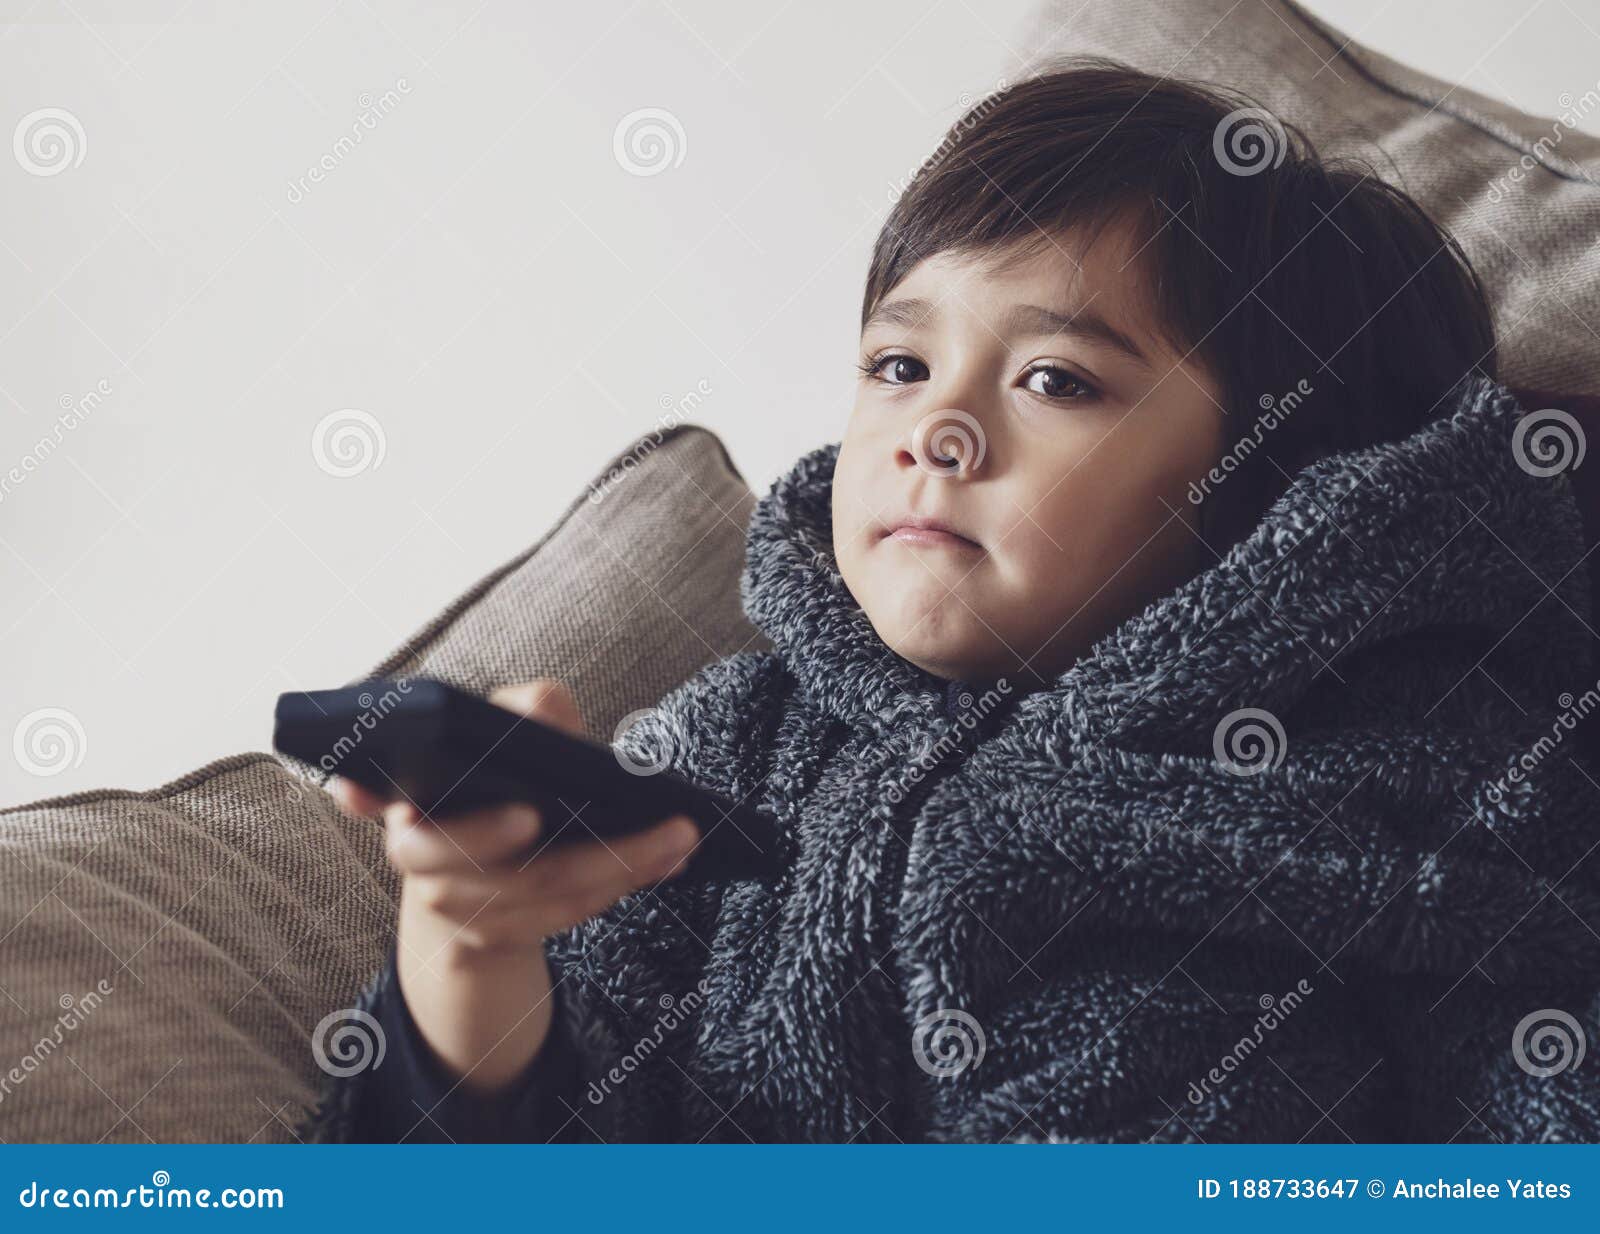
point(417, 1099)
point(474, 911)
point(612, 977)
point(467, 994)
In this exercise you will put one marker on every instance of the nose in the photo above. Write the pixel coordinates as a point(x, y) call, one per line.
point(948, 443)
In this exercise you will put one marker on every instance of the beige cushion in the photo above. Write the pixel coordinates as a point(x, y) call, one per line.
point(1521, 193)
point(228, 912)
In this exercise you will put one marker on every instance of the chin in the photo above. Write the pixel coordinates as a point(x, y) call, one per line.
point(928, 627)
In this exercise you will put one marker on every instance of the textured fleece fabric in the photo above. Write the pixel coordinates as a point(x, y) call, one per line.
point(1298, 852)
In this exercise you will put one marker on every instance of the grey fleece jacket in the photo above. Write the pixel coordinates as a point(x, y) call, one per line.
point(1299, 852)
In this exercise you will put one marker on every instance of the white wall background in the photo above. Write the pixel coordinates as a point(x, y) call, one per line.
point(478, 274)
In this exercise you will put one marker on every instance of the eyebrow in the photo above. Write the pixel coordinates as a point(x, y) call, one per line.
point(1028, 319)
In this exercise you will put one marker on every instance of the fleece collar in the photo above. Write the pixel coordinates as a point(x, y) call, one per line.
point(1442, 529)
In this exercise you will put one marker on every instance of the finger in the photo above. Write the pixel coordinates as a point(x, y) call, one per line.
point(567, 886)
point(490, 898)
point(602, 872)
point(355, 798)
point(546, 700)
point(569, 871)
point(473, 841)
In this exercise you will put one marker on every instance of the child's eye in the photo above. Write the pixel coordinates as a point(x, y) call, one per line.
point(1056, 382)
point(894, 369)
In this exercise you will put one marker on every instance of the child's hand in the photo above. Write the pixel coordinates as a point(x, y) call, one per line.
point(476, 907)
point(474, 869)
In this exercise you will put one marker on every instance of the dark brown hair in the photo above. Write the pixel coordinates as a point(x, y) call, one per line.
point(1278, 270)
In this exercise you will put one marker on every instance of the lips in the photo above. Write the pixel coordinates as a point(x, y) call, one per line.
point(920, 529)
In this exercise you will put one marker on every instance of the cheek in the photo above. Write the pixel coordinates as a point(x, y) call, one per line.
point(851, 503)
point(1080, 532)
point(854, 520)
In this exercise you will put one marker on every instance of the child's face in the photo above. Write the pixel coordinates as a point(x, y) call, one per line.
point(1077, 508)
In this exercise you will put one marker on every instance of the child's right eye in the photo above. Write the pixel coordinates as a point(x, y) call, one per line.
point(895, 369)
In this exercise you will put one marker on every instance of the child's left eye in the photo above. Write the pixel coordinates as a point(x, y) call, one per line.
point(1058, 383)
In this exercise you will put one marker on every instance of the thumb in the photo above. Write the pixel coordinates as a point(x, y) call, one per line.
point(544, 699)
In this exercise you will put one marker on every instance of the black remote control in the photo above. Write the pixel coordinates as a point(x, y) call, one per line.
point(449, 751)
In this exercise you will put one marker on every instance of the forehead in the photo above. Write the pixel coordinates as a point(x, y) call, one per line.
point(1067, 269)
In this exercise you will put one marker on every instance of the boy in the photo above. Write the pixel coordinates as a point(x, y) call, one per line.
point(1117, 731)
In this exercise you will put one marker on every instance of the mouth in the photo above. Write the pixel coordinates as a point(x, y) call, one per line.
point(929, 533)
